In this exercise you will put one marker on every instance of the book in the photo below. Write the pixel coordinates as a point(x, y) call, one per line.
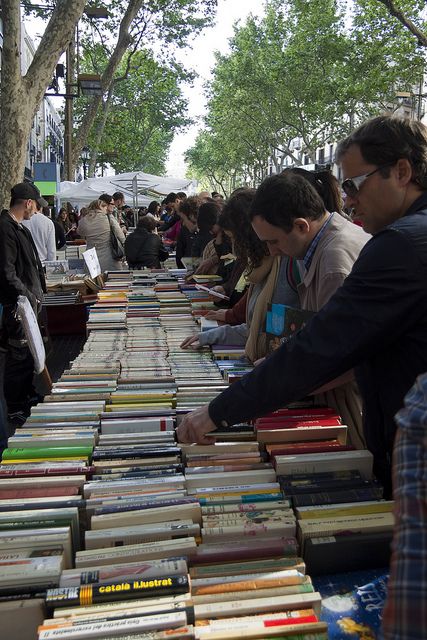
point(347, 552)
point(88, 594)
point(360, 460)
point(127, 571)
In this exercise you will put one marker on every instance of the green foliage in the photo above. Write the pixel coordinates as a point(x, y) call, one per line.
point(146, 110)
point(302, 76)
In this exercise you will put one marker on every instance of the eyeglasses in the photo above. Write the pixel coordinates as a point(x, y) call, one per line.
point(351, 186)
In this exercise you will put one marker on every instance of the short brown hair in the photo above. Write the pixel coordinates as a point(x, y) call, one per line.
point(386, 139)
point(282, 198)
point(146, 222)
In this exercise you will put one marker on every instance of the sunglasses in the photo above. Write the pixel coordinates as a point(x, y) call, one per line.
point(351, 186)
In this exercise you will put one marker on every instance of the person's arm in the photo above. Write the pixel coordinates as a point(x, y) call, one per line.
point(220, 335)
point(404, 614)
point(117, 230)
point(379, 300)
point(50, 241)
point(237, 314)
point(59, 236)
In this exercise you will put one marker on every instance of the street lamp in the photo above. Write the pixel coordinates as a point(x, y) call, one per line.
point(85, 157)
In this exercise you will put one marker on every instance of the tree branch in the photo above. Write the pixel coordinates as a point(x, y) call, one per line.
point(405, 21)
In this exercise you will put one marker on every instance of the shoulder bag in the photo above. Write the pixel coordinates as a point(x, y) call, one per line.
point(117, 248)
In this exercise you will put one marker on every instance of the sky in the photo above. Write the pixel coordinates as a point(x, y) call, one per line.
point(199, 57)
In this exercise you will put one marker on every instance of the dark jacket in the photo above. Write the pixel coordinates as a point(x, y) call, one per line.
point(59, 235)
point(183, 246)
point(21, 272)
point(376, 322)
point(199, 243)
point(144, 249)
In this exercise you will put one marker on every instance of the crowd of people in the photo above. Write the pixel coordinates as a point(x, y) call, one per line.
point(290, 242)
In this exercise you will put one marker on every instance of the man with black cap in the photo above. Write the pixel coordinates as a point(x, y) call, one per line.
point(21, 273)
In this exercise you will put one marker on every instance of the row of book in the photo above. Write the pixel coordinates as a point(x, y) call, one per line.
point(111, 529)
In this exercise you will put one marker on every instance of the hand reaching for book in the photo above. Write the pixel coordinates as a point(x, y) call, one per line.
point(195, 427)
point(219, 315)
point(190, 341)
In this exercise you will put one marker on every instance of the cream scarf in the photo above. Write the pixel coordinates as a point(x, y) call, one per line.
point(256, 344)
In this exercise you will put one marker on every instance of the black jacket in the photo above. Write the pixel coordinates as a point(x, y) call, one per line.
point(199, 243)
point(376, 322)
point(21, 272)
point(144, 249)
point(183, 246)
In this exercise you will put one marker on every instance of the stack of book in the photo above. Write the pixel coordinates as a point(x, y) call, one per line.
point(159, 540)
point(42, 475)
point(343, 523)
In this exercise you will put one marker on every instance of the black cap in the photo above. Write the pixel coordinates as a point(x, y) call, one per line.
point(28, 191)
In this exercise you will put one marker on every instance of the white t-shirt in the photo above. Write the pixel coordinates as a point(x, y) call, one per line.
point(43, 231)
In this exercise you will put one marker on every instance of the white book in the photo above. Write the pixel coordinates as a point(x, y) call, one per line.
point(258, 605)
point(109, 627)
point(239, 477)
point(174, 512)
point(103, 538)
point(175, 602)
point(360, 460)
point(132, 553)
point(127, 485)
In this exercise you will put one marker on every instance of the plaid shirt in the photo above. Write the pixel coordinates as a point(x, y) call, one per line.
point(405, 612)
point(313, 245)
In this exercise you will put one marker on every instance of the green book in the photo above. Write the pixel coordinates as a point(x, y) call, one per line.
point(47, 452)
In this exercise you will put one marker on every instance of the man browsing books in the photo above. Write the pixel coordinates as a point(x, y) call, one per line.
point(21, 273)
point(376, 322)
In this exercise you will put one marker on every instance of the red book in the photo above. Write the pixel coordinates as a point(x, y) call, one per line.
point(307, 413)
point(279, 423)
point(306, 447)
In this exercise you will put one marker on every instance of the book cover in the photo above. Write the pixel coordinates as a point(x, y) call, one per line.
point(352, 604)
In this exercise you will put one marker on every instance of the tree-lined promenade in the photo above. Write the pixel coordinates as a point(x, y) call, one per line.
point(295, 80)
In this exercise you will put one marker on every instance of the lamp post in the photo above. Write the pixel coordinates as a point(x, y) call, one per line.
point(85, 157)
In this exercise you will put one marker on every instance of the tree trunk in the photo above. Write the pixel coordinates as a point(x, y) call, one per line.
point(21, 96)
point(123, 42)
point(99, 132)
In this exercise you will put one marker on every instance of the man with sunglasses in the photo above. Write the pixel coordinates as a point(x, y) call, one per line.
point(376, 322)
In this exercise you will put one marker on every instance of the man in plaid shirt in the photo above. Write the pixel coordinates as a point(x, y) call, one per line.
point(405, 612)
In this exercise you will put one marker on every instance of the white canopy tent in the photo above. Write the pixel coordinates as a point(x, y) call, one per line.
point(138, 187)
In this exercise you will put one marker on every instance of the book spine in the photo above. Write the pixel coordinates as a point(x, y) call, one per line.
point(86, 595)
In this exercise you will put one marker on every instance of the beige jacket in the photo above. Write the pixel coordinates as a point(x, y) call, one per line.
point(95, 228)
point(332, 261)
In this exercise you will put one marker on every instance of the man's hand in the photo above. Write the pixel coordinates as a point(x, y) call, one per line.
point(219, 289)
point(195, 426)
point(191, 340)
point(219, 315)
point(258, 362)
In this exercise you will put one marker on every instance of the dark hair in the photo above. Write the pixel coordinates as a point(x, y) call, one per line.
point(62, 210)
point(190, 207)
point(105, 197)
point(326, 185)
point(215, 194)
point(235, 218)
point(208, 215)
point(153, 207)
point(146, 222)
point(181, 195)
point(282, 198)
point(118, 195)
point(171, 197)
point(386, 139)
